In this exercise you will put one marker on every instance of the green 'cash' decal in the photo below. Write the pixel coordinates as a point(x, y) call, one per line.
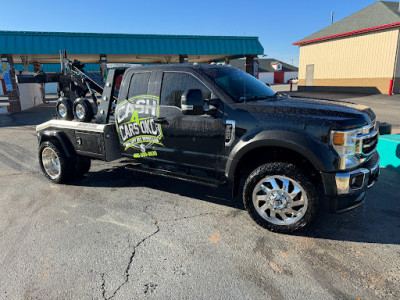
point(134, 119)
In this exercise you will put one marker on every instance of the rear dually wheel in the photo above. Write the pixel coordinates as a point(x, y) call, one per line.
point(55, 164)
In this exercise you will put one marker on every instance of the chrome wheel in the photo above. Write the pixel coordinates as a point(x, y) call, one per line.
point(51, 162)
point(80, 112)
point(62, 110)
point(280, 200)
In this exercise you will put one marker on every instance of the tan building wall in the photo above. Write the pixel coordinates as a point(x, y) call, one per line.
point(358, 63)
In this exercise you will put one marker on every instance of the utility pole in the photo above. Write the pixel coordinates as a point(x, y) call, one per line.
point(332, 17)
point(291, 61)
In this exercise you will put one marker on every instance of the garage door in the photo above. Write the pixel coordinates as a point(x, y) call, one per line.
point(278, 77)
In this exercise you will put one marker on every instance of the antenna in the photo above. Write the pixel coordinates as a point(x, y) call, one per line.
point(332, 16)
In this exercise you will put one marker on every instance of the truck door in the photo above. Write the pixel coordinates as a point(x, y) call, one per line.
point(189, 140)
point(134, 116)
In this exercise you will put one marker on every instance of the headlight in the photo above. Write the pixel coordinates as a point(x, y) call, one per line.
point(356, 145)
point(347, 145)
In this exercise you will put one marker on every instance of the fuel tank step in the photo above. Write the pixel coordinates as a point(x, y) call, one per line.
point(176, 175)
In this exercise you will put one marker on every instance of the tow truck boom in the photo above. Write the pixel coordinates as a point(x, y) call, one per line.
point(74, 82)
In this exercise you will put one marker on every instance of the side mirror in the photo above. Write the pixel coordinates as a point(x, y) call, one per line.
point(192, 102)
point(212, 106)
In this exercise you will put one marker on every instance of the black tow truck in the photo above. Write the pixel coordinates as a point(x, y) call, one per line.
point(214, 124)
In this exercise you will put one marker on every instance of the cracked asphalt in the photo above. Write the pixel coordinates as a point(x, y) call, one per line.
point(117, 234)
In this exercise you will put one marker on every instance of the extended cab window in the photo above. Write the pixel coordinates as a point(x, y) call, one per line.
point(138, 85)
point(174, 84)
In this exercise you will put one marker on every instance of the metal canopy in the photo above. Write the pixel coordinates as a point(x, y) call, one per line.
point(135, 48)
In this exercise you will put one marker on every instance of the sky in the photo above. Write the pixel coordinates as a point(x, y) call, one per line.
point(278, 24)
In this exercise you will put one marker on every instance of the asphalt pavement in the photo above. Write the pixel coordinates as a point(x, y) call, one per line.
point(117, 234)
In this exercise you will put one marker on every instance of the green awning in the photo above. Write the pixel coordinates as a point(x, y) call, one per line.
point(31, 43)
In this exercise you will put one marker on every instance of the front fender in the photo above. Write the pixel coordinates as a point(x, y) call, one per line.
point(315, 151)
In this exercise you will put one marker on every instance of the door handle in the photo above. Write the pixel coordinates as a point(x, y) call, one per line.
point(160, 120)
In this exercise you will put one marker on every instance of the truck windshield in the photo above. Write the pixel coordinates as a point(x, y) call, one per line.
point(240, 85)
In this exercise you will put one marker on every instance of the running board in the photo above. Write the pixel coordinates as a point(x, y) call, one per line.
point(175, 175)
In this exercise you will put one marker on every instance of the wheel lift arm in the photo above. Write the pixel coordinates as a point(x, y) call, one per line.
point(74, 82)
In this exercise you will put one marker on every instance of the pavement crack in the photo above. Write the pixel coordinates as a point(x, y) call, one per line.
point(188, 217)
point(131, 258)
point(17, 174)
point(103, 286)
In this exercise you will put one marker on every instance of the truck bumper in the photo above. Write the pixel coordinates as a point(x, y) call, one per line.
point(347, 190)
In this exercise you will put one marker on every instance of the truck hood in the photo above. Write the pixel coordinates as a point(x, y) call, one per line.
point(335, 114)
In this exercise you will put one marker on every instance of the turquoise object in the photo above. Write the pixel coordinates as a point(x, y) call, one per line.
point(32, 42)
point(389, 150)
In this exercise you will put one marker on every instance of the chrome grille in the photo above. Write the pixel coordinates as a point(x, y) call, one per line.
point(368, 140)
point(369, 144)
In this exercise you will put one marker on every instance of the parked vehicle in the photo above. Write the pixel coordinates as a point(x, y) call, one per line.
point(285, 155)
point(293, 80)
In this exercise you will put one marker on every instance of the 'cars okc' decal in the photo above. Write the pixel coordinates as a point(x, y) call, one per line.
point(136, 128)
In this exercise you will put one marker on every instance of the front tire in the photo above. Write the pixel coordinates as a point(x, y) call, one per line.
point(55, 164)
point(280, 197)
